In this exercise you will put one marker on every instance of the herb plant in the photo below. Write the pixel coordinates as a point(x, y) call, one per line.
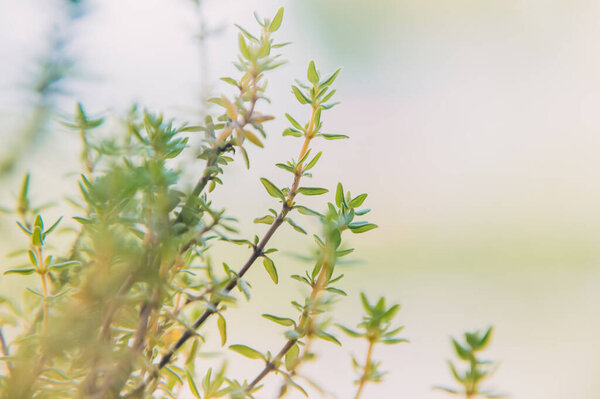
point(121, 312)
point(477, 369)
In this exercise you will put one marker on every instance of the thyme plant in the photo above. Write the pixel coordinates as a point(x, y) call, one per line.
point(122, 311)
point(477, 369)
point(120, 314)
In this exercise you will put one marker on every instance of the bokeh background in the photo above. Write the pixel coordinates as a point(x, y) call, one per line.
point(474, 128)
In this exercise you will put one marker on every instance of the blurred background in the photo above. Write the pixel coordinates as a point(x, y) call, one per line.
point(474, 129)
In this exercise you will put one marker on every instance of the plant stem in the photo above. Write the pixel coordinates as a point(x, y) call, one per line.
point(365, 377)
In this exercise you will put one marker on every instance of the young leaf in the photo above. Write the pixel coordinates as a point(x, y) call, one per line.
point(284, 321)
point(339, 195)
point(333, 136)
point(300, 96)
point(272, 189)
point(276, 23)
point(312, 190)
point(291, 357)
point(247, 351)
point(25, 270)
point(222, 326)
point(361, 227)
point(358, 200)
point(270, 268)
point(330, 79)
point(192, 384)
point(312, 74)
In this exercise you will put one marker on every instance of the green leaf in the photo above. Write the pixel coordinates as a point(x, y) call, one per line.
point(247, 351)
point(330, 79)
point(192, 384)
point(222, 326)
point(392, 341)
point(25, 270)
point(485, 339)
point(336, 291)
point(39, 222)
point(313, 161)
point(312, 190)
point(272, 189)
point(276, 23)
point(328, 136)
point(270, 268)
point(284, 321)
point(339, 195)
point(230, 81)
point(312, 74)
point(294, 122)
point(62, 265)
point(328, 337)
point(306, 211)
point(350, 332)
point(361, 227)
point(252, 138)
point(300, 96)
point(36, 237)
point(291, 357)
point(243, 47)
point(51, 229)
point(460, 351)
point(292, 132)
point(358, 200)
point(32, 257)
point(295, 226)
point(267, 219)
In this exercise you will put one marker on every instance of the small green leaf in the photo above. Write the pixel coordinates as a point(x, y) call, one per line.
point(312, 74)
point(252, 138)
point(25, 270)
point(330, 79)
point(313, 161)
point(243, 47)
point(247, 351)
point(358, 200)
point(312, 190)
point(392, 341)
point(267, 219)
point(192, 384)
point(339, 195)
point(361, 227)
point(272, 189)
point(222, 326)
point(36, 237)
point(291, 357)
point(39, 222)
point(51, 229)
point(460, 351)
point(294, 122)
point(292, 132)
point(306, 211)
point(328, 136)
point(295, 226)
point(276, 23)
point(230, 81)
point(300, 96)
point(328, 337)
point(350, 332)
point(270, 268)
point(284, 321)
point(62, 265)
